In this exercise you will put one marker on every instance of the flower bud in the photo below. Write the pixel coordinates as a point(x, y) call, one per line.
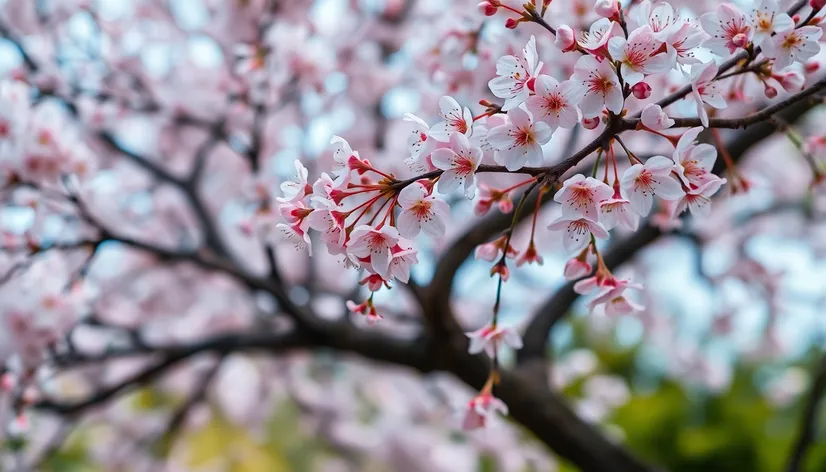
point(817, 4)
point(577, 268)
point(606, 8)
point(565, 39)
point(487, 9)
point(811, 67)
point(590, 123)
point(511, 23)
point(641, 90)
point(740, 40)
point(770, 91)
point(791, 81)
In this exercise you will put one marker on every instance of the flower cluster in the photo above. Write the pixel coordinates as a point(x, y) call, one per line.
point(369, 216)
point(36, 144)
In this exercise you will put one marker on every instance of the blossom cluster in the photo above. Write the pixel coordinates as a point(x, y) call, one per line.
point(369, 216)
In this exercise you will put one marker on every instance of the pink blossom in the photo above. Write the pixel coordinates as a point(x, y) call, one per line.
point(653, 117)
point(404, 257)
point(797, 45)
point(596, 39)
point(767, 20)
point(578, 232)
point(607, 8)
point(514, 74)
point(705, 90)
point(459, 163)
point(421, 212)
point(419, 144)
point(555, 103)
point(577, 267)
point(601, 84)
point(565, 38)
point(662, 19)
point(480, 409)
point(530, 256)
point(519, 142)
point(490, 338)
point(493, 250)
point(296, 187)
point(698, 198)
point(617, 211)
point(684, 42)
point(367, 309)
point(455, 119)
point(693, 162)
point(637, 55)
point(642, 181)
point(729, 28)
point(366, 241)
point(580, 197)
point(296, 235)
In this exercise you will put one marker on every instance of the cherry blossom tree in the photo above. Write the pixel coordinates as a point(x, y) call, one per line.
point(230, 205)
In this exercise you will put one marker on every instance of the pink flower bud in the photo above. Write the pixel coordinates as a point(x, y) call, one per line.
point(577, 268)
point(606, 8)
point(740, 40)
point(817, 4)
point(482, 206)
point(565, 39)
point(811, 67)
point(770, 91)
point(487, 9)
point(792, 81)
point(641, 90)
point(511, 23)
point(590, 123)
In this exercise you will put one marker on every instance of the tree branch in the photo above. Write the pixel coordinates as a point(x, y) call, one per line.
point(807, 428)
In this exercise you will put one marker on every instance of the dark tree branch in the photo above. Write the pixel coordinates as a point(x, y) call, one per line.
point(806, 431)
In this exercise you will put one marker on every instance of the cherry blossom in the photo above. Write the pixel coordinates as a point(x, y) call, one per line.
point(788, 47)
point(580, 197)
point(767, 20)
point(459, 163)
point(421, 212)
point(296, 188)
point(480, 409)
point(662, 19)
point(490, 338)
point(565, 39)
point(419, 144)
point(693, 162)
point(577, 267)
point(653, 117)
point(617, 211)
point(578, 232)
point(366, 241)
point(705, 90)
point(642, 181)
point(519, 142)
point(455, 119)
point(515, 75)
point(684, 41)
point(555, 103)
point(637, 55)
point(698, 198)
point(404, 257)
point(601, 84)
point(729, 28)
point(595, 40)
